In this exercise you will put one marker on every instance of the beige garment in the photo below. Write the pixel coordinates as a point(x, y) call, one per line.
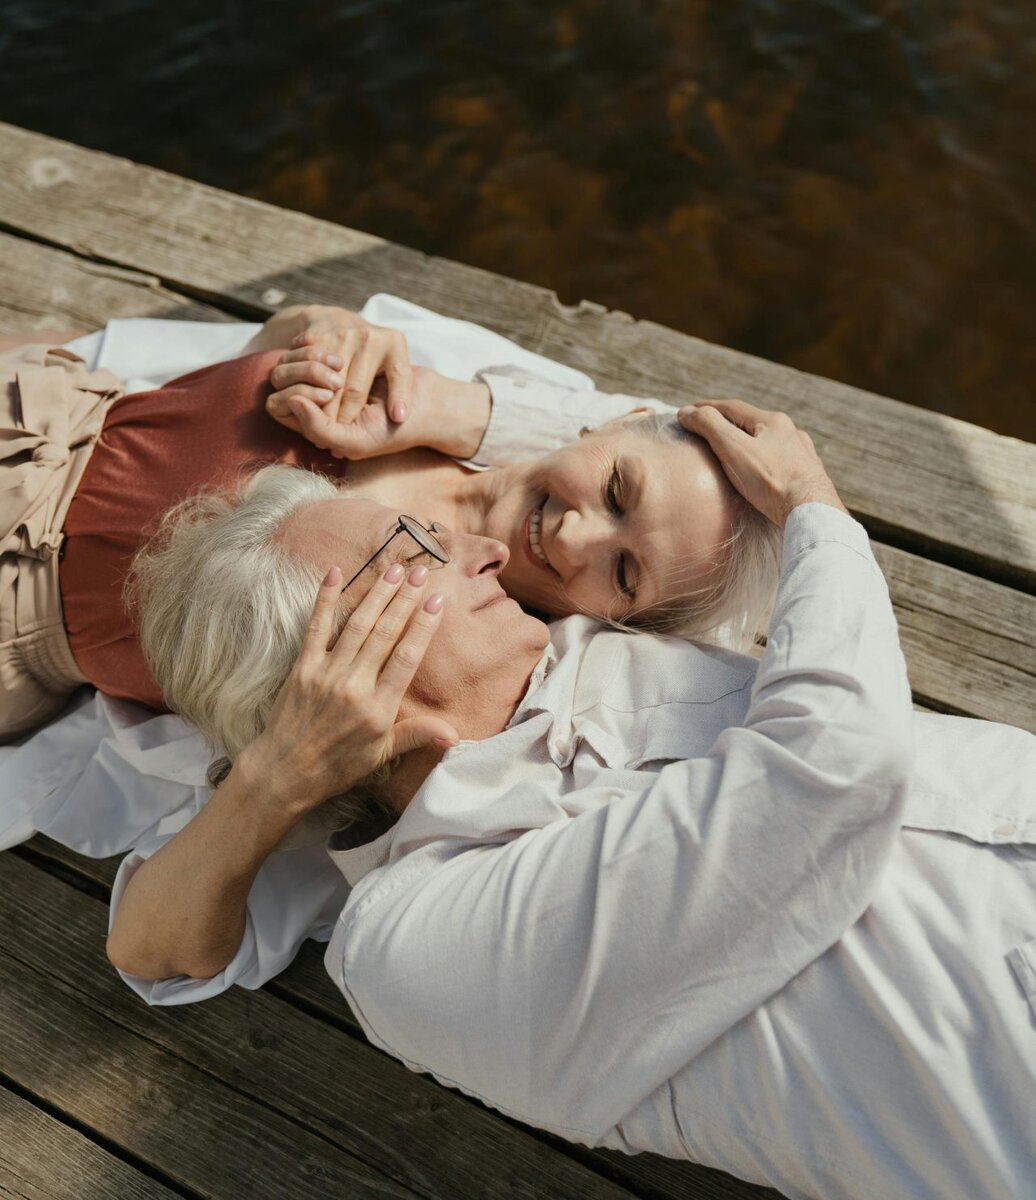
point(51, 412)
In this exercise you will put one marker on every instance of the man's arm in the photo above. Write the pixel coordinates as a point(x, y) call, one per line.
point(183, 911)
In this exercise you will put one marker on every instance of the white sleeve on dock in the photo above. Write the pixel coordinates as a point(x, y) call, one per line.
point(532, 415)
point(297, 894)
point(565, 975)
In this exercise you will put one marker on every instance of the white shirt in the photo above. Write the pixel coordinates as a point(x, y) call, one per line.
point(717, 910)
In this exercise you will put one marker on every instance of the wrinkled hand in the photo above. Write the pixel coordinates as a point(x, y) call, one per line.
point(772, 464)
point(334, 362)
point(334, 719)
point(371, 433)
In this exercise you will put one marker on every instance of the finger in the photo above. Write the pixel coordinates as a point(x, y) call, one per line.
point(314, 426)
point(399, 377)
point(406, 657)
point(358, 382)
point(418, 732)
point(318, 632)
point(385, 633)
point(311, 352)
point(738, 412)
point(278, 404)
point(366, 614)
point(307, 370)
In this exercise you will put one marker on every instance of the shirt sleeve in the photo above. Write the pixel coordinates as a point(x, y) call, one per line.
point(532, 415)
point(296, 895)
point(566, 975)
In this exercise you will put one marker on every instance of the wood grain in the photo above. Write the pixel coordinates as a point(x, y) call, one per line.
point(928, 482)
point(42, 288)
point(238, 1092)
point(42, 1159)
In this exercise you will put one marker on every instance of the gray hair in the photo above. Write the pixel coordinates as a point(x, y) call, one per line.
point(735, 603)
point(222, 606)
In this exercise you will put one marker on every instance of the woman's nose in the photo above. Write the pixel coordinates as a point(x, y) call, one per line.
point(580, 539)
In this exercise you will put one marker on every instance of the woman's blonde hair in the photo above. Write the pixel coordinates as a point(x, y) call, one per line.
point(733, 606)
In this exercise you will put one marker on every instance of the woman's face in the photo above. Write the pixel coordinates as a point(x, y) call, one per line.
point(613, 523)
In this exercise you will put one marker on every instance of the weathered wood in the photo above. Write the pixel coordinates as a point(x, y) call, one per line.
point(307, 984)
point(930, 482)
point(42, 288)
point(970, 644)
point(363, 1122)
point(41, 1159)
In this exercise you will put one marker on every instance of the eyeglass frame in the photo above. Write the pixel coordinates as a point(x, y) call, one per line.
point(437, 550)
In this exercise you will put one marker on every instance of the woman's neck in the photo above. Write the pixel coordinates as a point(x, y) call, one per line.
point(430, 487)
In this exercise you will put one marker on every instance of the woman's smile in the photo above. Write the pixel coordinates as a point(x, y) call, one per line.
point(531, 542)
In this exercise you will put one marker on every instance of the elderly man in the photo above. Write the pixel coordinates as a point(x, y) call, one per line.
point(654, 896)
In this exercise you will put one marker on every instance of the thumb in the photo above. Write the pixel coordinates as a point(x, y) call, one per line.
point(418, 732)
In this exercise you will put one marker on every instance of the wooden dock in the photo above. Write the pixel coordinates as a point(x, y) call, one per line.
point(277, 1093)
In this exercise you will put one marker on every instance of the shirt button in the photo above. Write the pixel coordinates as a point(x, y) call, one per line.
point(1005, 831)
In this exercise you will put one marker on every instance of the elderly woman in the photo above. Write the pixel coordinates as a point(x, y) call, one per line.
point(655, 896)
point(86, 471)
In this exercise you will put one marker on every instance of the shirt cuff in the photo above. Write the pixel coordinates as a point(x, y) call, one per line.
point(814, 522)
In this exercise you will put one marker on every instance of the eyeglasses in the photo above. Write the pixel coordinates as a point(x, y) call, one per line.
point(424, 538)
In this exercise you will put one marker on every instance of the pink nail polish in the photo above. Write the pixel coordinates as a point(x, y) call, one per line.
point(395, 573)
point(399, 412)
point(334, 361)
point(434, 603)
point(418, 576)
point(333, 578)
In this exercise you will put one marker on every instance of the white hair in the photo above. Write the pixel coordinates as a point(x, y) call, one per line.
point(223, 604)
point(733, 606)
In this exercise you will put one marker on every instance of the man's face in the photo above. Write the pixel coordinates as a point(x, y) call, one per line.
point(486, 646)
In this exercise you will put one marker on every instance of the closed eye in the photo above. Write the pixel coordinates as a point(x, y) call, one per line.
point(611, 492)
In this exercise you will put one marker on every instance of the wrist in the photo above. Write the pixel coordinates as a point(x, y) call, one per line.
point(459, 416)
point(274, 799)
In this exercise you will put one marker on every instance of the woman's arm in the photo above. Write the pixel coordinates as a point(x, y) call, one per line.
point(333, 723)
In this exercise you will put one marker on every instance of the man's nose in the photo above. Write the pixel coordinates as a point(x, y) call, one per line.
point(474, 554)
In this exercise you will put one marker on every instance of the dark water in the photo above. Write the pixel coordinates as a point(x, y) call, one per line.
point(847, 186)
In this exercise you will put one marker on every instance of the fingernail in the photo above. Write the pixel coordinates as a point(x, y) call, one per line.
point(333, 578)
point(443, 743)
point(434, 602)
point(322, 393)
point(395, 573)
point(335, 381)
point(418, 576)
point(335, 361)
point(398, 413)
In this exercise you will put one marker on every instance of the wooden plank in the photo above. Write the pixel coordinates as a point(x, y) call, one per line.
point(42, 288)
point(345, 1118)
point(42, 1159)
point(931, 482)
point(970, 644)
point(307, 984)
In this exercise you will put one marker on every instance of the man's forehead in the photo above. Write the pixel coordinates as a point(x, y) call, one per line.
point(343, 528)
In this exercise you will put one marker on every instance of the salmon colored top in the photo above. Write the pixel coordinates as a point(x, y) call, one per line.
point(201, 430)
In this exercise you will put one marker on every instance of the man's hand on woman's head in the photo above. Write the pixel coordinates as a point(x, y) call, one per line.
point(772, 464)
point(334, 720)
